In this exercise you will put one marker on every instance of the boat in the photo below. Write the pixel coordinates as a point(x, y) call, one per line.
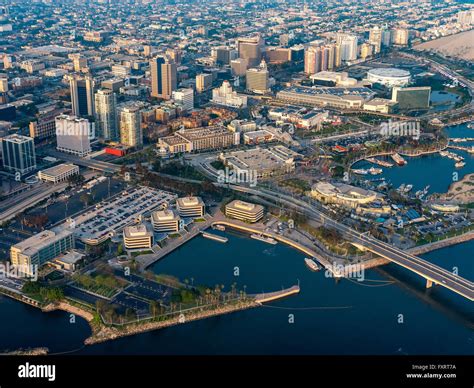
point(382, 163)
point(219, 227)
point(443, 153)
point(375, 171)
point(398, 159)
point(408, 188)
point(401, 188)
point(261, 237)
point(460, 164)
point(312, 264)
point(360, 171)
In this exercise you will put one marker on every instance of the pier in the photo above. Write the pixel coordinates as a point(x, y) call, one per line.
point(214, 237)
point(270, 296)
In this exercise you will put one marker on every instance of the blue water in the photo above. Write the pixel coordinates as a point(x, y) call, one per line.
point(363, 319)
point(433, 170)
point(330, 317)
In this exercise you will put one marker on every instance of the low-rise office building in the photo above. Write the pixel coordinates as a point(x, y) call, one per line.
point(190, 207)
point(244, 211)
point(28, 255)
point(137, 237)
point(164, 221)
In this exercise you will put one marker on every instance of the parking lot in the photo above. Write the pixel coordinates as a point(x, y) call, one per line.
point(110, 217)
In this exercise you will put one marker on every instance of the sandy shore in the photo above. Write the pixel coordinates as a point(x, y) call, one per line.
point(459, 45)
point(461, 192)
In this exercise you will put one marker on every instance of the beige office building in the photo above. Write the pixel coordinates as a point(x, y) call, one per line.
point(165, 221)
point(244, 211)
point(137, 237)
point(190, 207)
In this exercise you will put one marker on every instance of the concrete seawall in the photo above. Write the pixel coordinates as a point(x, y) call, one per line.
point(442, 243)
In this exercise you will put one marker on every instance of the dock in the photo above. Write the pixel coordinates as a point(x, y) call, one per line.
point(382, 163)
point(214, 237)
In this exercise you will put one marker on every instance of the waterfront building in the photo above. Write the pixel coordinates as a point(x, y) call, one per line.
point(131, 133)
point(257, 79)
point(164, 221)
point(226, 96)
point(163, 77)
point(244, 211)
point(184, 97)
point(465, 18)
point(73, 135)
point(28, 255)
point(342, 194)
point(82, 95)
point(190, 207)
point(58, 173)
point(389, 76)
point(106, 114)
point(412, 97)
point(137, 237)
point(18, 153)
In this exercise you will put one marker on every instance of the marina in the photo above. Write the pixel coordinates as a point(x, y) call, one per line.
point(260, 237)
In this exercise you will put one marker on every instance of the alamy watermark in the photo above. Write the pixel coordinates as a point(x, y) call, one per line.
point(8, 270)
point(241, 176)
point(72, 128)
point(351, 271)
point(401, 128)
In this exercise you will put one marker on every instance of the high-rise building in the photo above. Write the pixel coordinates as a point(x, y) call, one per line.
point(203, 82)
point(239, 66)
point(222, 55)
point(251, 49)
point(400, 36)
point(337, 55)
point(325, 58)
point(79, 62)
point(375, 38)
point(131, 133)
point(348, 46)
point(163, 77)
point(366, 50)
point(73, 135)
point(82, 96)
point(386, 38)
point(3, 83)
point(185, 97)
point(312, 60)
point(257, 79)
point(18, 153)
point(106, 114)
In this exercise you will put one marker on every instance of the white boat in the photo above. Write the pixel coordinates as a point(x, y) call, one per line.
point(360, 171)
point(311, 264)
point(408, 188)
point(375, 171)
point(260, 237)
point(460, 164)
point(219, 227)
point(401, 188)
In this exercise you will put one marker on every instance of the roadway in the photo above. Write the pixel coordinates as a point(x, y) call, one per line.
point(433, 273)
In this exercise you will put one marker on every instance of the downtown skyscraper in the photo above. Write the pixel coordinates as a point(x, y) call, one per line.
point(163, 77)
